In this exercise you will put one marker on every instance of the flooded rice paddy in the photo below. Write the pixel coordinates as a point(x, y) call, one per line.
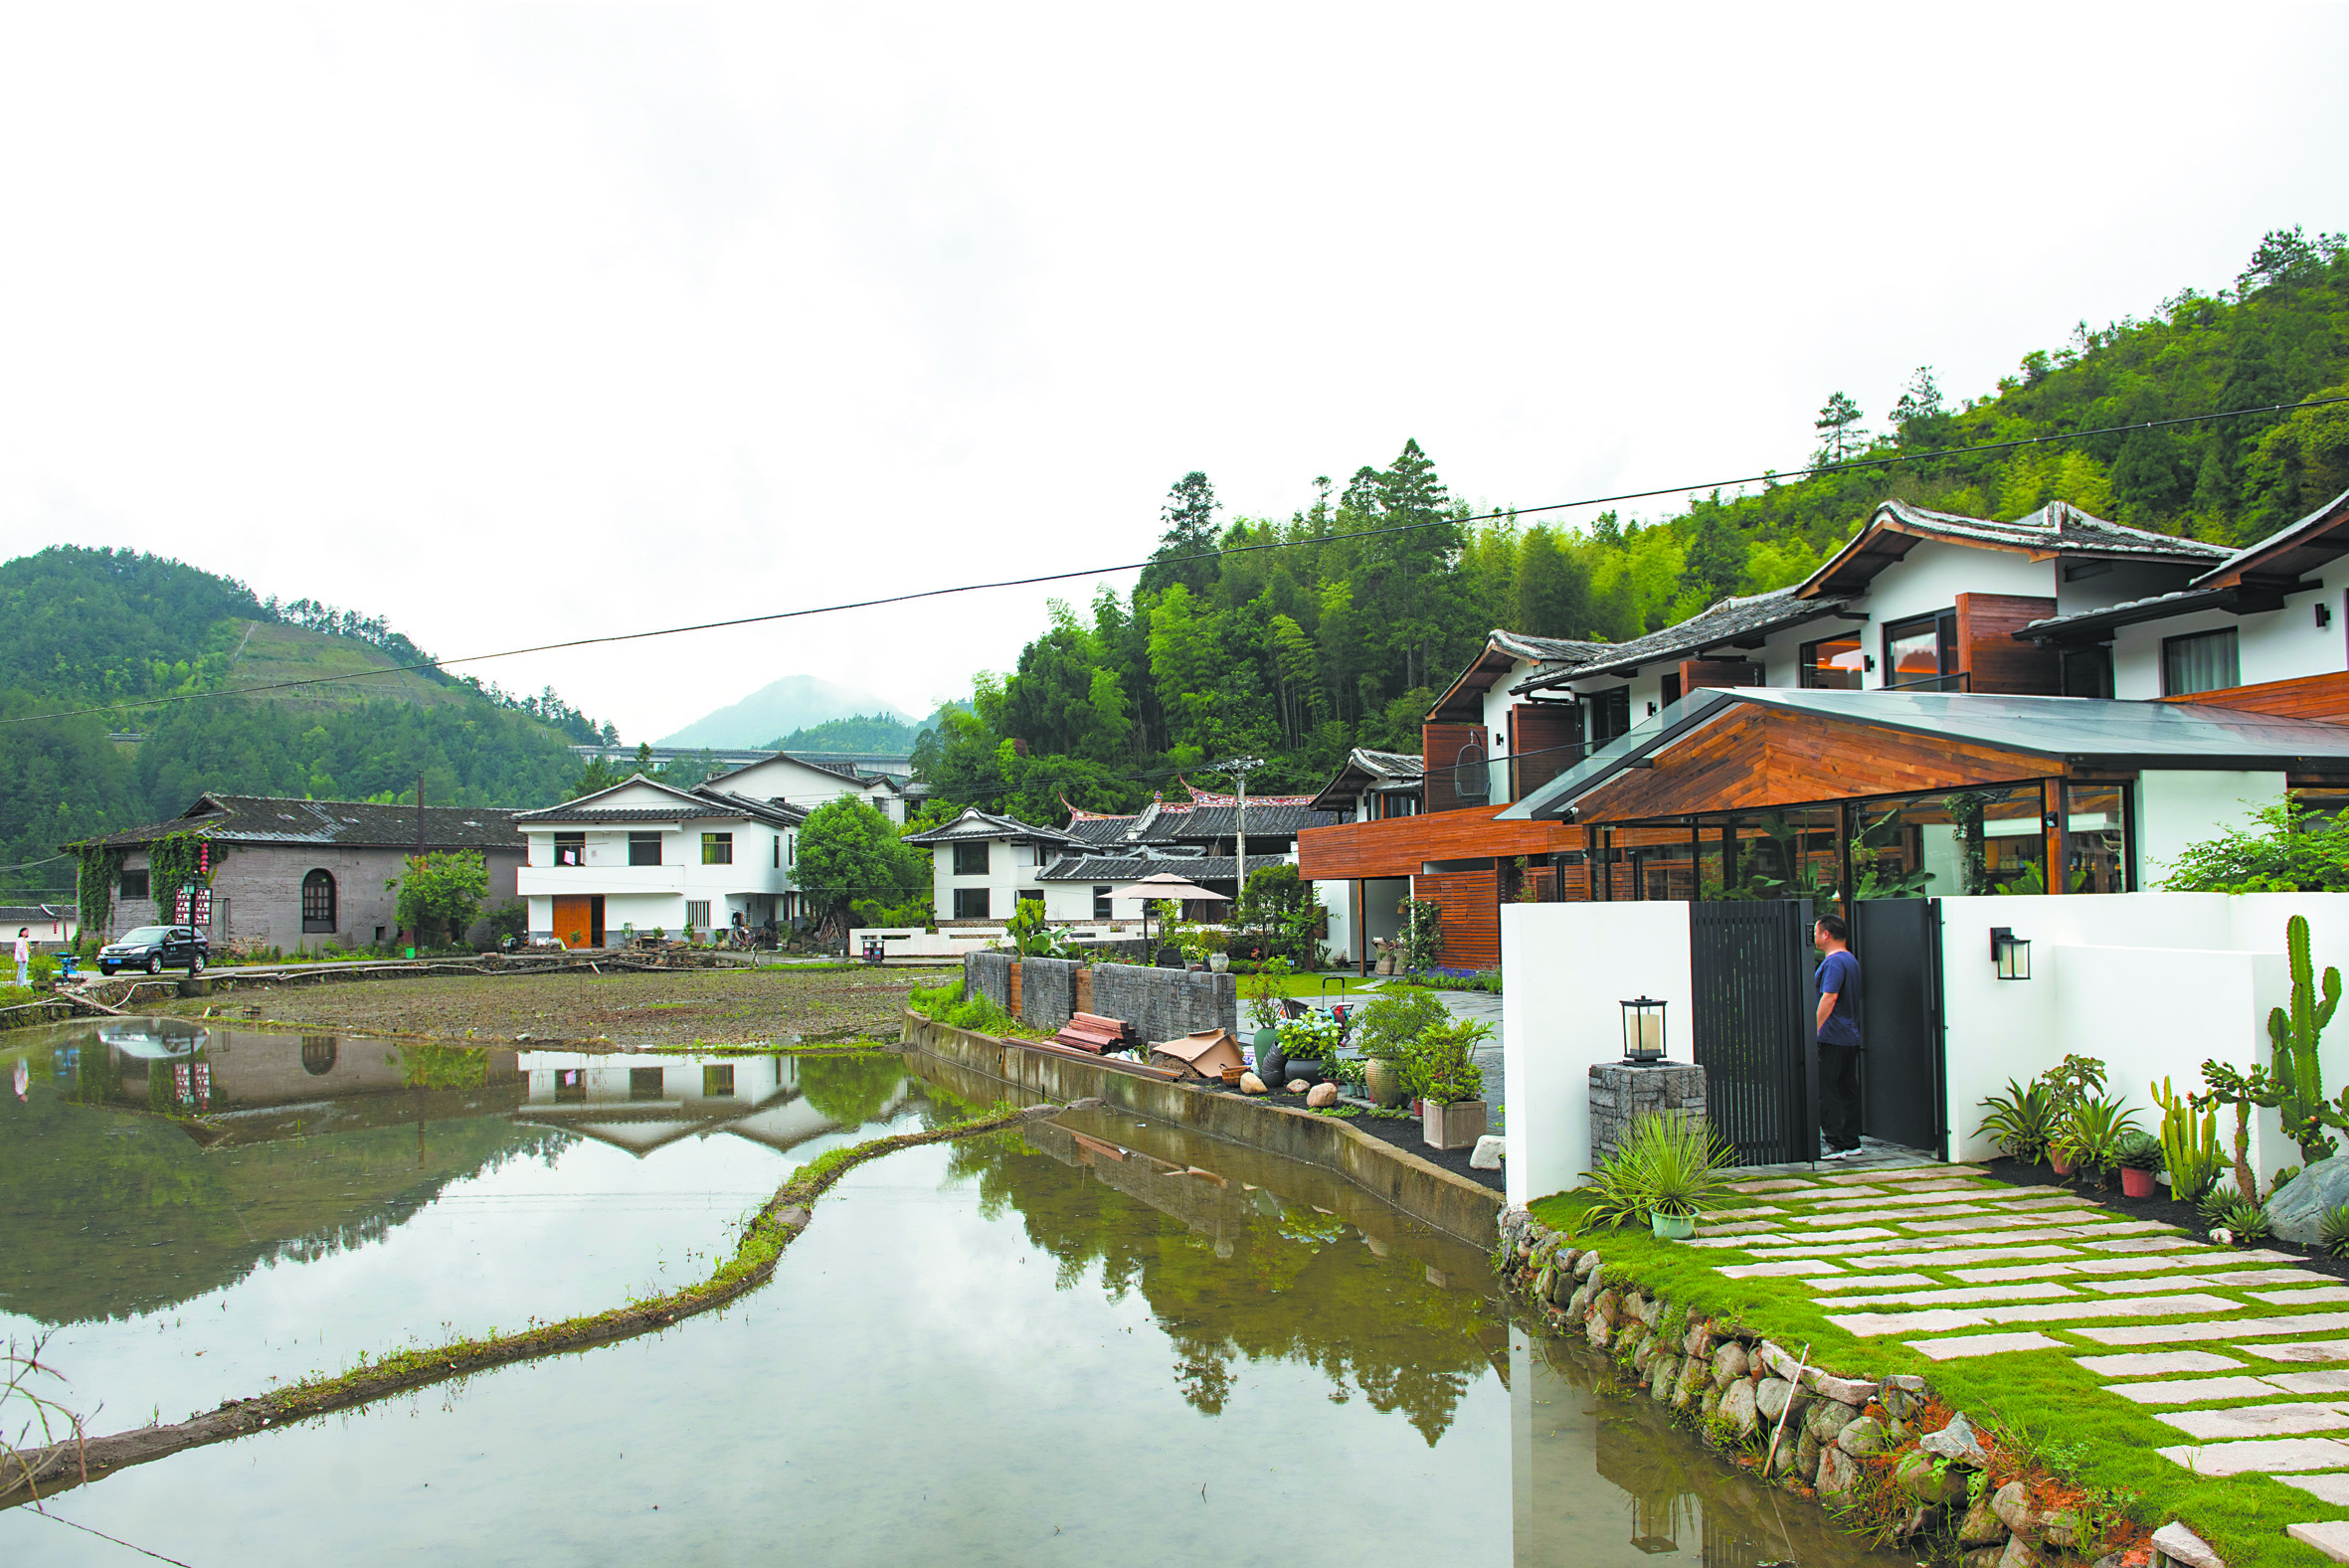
point(1090, 1339)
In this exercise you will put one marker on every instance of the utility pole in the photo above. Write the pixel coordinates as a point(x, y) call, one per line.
point(1239, 768)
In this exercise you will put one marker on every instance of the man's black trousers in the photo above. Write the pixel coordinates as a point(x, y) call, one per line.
point(1839, 1093)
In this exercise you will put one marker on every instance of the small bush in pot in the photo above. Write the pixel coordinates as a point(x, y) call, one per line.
point(1307, 1042)
point(2139, 1157)
point(1667, 1170)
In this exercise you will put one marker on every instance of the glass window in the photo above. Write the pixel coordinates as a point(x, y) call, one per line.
point(318, 902)
point(2095, 842)
point(971, 904)
point(644, 849)
point(717, 1083)
point(1610, 714)
point(2204, 661)
point(1832, 664)
point(134, 884)
point(1917, 653)
point(697, 914)
point(971, 860)
point(2087, 672)
point(644, 1082)
point(1101, 902)
point(570, 849)
point(717, 849)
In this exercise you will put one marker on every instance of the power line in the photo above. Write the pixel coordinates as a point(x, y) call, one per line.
point(1768, 476)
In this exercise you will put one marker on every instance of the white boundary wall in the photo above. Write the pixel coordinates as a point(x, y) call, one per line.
point(2153, 983)
point(1562, 1010)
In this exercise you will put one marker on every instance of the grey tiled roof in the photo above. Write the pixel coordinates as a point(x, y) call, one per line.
point(1185, 824)
point(975, 824)
point(1542, 650)
point(1752, 616)
point(1389, 765)
point(2156, 607)
point(2058, 526)
point(271, 820)
point(703, 801)
point(1129, 868)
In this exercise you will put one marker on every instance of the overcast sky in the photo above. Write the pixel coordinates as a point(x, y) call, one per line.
point(514, 324)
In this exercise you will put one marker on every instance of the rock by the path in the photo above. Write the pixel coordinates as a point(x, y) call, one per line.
point(1487, 1153)
point(1298, 1086)
point(1738, 1410)
point(1839, 1473)
point(2018, 1554)
point(1843, 1390)
point(1980, 1526)
point(1864, 1436)
point(1250, 1084)
point(1957, 1442)
point(2174, 1543)
point(1320, 1095)
point(1806, 1455)
point(2011, 1503)
point(1698, 1339)
point(2298, 1212)
point(1730, 1362)
point(1586, 1265)
point(1928, 1481)
point(1983, 1556)
point(1664, 1381)
point(1770, 1397)
point(1828, 1418)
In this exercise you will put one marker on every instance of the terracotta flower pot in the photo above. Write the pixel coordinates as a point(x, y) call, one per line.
point(2136, 1183)
point(2061, 1162)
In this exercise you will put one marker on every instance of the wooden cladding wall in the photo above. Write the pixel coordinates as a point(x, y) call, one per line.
point(2324, 698)
point(1759, 758)
point(1545, 740)
point(1440, 747)
point(1991, 658)
point(1398, 845)
point(1718, 672)
point(1471, 904)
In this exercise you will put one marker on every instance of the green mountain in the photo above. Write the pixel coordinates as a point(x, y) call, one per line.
point(81, 628)
point(1293, 641)
point(879, 731)
point(780, 707)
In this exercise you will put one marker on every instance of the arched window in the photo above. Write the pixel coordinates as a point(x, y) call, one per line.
point(318, 902)
point(317, 1054)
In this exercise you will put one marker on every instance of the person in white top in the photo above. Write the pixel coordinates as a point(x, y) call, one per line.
point(24, 954)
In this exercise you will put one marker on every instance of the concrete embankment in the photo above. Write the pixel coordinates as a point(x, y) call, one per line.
point(1433, 1196)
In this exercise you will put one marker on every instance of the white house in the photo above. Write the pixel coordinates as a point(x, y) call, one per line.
point(982, 865)
point(647, 856)
point(807, 782)
point(2275, 611)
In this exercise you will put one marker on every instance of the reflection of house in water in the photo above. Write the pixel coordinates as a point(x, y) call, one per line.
point(641, 1104)
point(1210, 1204)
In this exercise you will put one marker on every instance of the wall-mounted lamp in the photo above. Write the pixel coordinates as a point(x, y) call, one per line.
point(2012, 954)
point(1643, 1030)
point(1651, 709)
point(2324, 616)
point(1867, 662)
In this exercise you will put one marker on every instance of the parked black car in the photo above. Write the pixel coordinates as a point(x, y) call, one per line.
point(155, 949)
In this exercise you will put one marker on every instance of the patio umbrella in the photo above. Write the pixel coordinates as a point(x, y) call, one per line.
point(1166, 885)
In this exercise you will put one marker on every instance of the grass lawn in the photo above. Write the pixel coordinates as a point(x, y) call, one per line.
point(2096, 1438)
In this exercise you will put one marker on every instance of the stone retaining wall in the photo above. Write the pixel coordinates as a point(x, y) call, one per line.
point(1048, 991)
point(1810, 1429)
point(1623, 1091)
point(1165, 1004)
point(989, 975)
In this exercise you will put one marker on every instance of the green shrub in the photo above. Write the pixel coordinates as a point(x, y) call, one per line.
point(2333, 1231)
point(947, 1004)
point(1394, 1019)
point(2246, 1220)
point(1437, 1066)
point(1674, 1165)
point(2022, 1121)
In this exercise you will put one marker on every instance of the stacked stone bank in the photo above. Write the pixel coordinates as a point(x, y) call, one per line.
point(1811, 1427)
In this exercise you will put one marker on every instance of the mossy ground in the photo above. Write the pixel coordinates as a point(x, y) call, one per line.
point(2095, 1439)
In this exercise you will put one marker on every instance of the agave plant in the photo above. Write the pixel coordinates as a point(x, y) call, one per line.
point(2332, 1231)
point(2022, 1121)
point(2095, 1133)
point(1671, 1165)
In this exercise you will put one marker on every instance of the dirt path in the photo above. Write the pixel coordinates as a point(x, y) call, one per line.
point(697, 1007)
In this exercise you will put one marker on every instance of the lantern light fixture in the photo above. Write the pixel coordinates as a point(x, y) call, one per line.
point(2010, 953)
point(1643, 1030)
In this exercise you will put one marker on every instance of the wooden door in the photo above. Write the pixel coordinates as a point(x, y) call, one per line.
point(575, 919)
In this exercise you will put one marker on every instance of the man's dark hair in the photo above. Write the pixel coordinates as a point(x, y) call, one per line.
point(1834, 925)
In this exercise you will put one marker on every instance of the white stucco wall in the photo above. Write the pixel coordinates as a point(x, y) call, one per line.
point(2178, 806)
point(1010, 870)
point(2271, 645)
point(655, 897)
point(1570, 967)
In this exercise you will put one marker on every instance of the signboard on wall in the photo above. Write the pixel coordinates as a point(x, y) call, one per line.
point(192, 907)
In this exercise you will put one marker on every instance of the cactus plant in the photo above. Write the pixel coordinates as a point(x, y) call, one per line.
point(2189, 1148)
point(2297, 1074)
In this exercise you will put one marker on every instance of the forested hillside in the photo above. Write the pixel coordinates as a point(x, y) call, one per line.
point(80, 628)
point(1317, 642)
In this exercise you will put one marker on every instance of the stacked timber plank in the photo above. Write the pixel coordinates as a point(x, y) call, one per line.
point(1087, 1031)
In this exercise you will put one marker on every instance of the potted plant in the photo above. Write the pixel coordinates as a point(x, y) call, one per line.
point(2140, 1154)
point(1264, 1006)
point(1441, 1068)
point(2091, 1136)
point(1386, 1026)
point(1308, 1041)
point(1666, 1169)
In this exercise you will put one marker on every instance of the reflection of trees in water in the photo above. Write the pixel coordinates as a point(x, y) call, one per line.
point(544, 1144)
point(1285, 1283)
point(440, 1066)
point(851, 1090)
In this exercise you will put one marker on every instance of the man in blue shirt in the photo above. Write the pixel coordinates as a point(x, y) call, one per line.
point(1839, 1039)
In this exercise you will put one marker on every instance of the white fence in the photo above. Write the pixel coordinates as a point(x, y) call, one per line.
point(2153, 983)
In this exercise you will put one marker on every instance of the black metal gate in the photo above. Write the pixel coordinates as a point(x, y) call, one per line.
point(1750, 973)
point(1902, 1088)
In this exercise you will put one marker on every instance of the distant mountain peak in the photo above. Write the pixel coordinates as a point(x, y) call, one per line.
point(795, 702)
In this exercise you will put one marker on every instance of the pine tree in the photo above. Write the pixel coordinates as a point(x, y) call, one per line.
point(1839, 432)
point(1189, 516)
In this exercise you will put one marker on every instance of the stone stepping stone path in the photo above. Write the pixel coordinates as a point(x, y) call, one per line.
point(2241, 1353)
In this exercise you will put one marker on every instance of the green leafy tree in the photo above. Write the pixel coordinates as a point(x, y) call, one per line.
point(1838, 425)
point(847, 850)
point(1190, 532)
point(441, 893)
